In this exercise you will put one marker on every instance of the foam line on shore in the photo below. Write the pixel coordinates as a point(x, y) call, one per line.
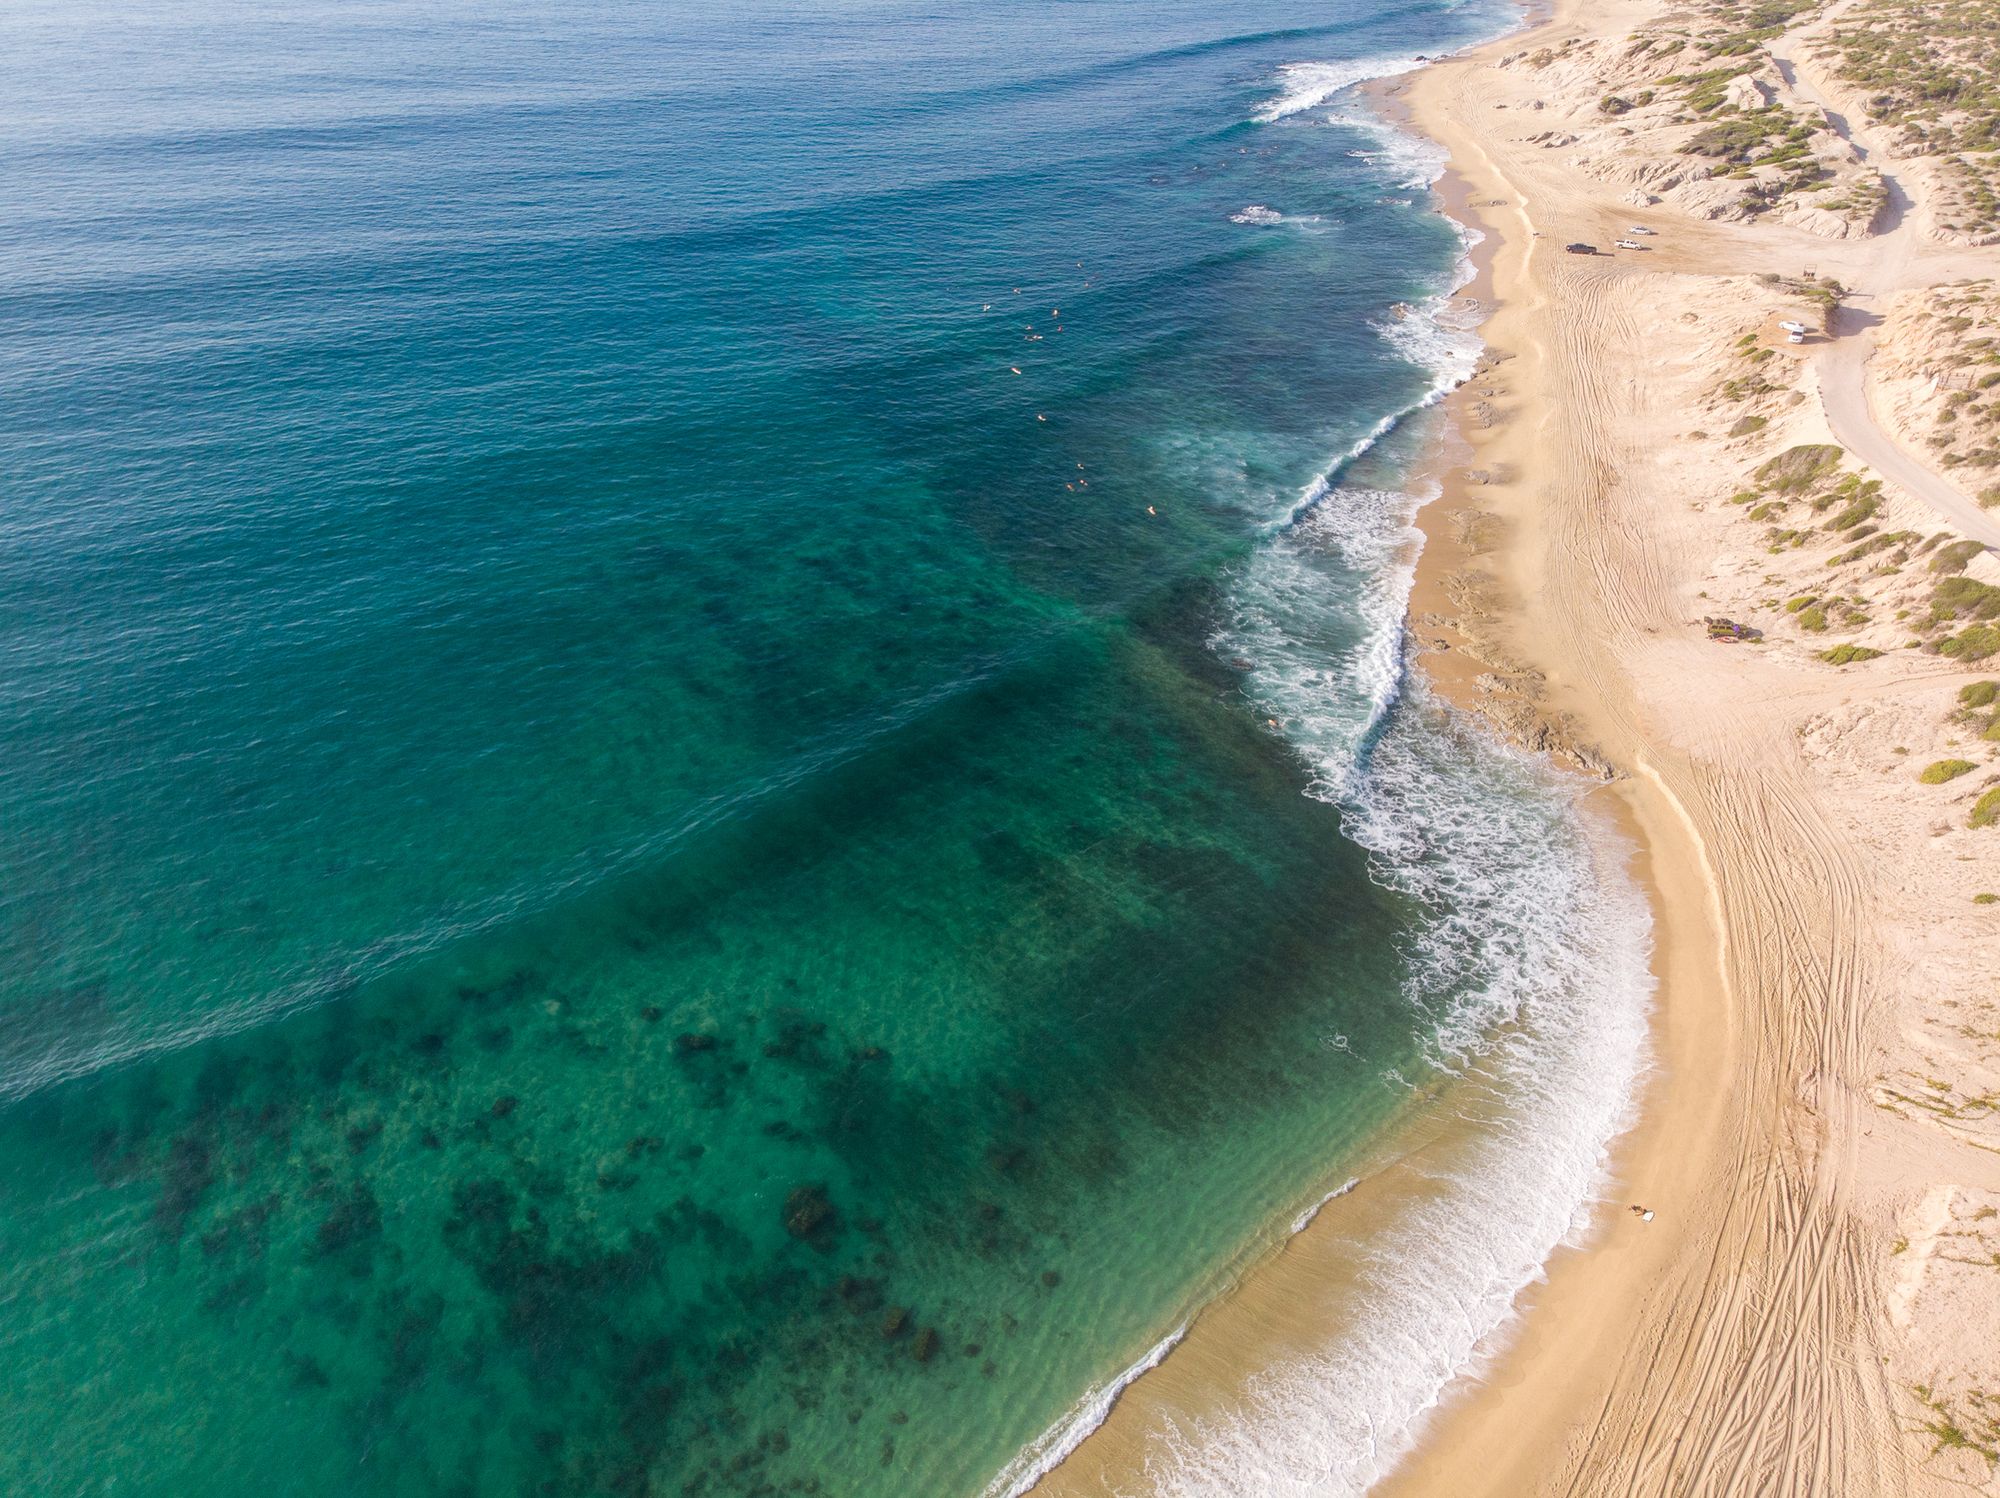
point(1529, 978)
point(1043, 1455)
point(1305, 1219)
point(1532, 975)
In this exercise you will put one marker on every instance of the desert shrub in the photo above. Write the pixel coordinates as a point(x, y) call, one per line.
point(1946, 769)
point(1953, 558)
point(1964, 598)
point(1797, 469)
point(1978, 694)
point(1707, 88)
point(1986, 810)
point(1733, 139)
point(1974, 644)
point(1843, 655)
point(1746, 425)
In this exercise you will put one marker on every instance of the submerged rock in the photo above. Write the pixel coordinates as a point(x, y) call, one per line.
point(858, 1293)
point(810, 1215)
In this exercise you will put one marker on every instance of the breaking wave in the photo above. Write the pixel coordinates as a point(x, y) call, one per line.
point(1528, 973)
point(1043, 1456)
point(1308, 85)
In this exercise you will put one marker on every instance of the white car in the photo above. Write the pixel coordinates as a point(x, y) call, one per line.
point(1641, 229)
point(1630, 244)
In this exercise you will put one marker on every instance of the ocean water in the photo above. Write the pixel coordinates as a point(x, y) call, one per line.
point(707, 778)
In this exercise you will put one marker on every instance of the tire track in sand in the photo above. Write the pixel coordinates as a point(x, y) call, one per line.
point(1760, 1369)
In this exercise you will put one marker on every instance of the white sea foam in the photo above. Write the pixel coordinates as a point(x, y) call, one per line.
point(1039, 1459)
point(1534, 967)
point(1436, 335)
point(1403, 160)
point(1326, 684)
point(1305, 1219)
point(1258, 213)
point(1530, 971)
point(1307, 85)
point(1530, 968)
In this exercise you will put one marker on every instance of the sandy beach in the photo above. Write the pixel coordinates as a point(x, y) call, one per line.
point(1792, 1289)
point(1756, 1335)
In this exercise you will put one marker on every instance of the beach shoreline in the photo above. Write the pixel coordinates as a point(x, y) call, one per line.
point(1256, 1314)
point(1740, 1337)
point(1732, 1319)
point(1500, 1429)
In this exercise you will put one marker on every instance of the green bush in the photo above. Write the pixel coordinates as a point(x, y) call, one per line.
point(1978, 694)
point(1813, 617)
point(1986, 899)
point(1954, 557)
point(1748, 424)
point(1797, 469)
point(1974, 644)
point(1986, 810)
point(1843, 655)
point(1964, 598)
point(1946, 769)
point(1706, 94)
point(1733, 139)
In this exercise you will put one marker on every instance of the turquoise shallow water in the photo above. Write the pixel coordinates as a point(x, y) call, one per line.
point(632, 865)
